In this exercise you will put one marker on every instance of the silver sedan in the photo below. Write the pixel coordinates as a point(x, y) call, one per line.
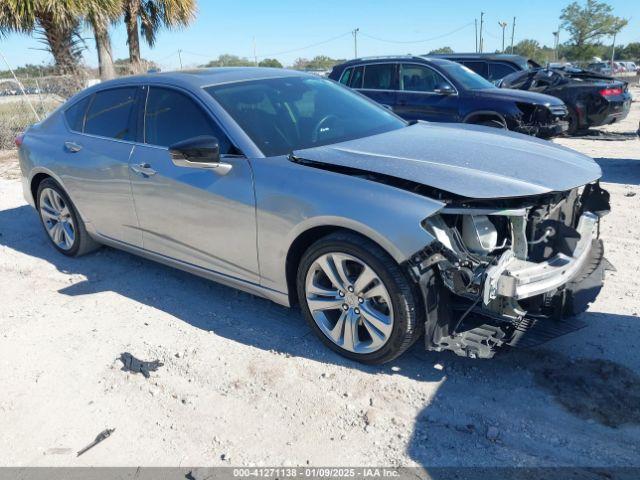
point(294, 188)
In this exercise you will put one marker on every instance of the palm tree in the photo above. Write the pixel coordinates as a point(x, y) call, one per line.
point(153, 14)
point(99, 14)
point(58, 21)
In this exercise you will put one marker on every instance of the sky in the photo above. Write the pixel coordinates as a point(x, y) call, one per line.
point(288, 29)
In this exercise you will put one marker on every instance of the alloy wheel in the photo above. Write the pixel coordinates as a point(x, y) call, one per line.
point(349, 302)
point(57, 218)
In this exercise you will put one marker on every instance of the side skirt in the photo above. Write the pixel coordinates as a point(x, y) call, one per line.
point(249, 287)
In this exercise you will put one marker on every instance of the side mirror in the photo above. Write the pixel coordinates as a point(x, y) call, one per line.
point(199, 152)
point(445, 90)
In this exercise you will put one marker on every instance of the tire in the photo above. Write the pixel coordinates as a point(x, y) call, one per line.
point(71, 235)
point(395, 314)
point(574, 123)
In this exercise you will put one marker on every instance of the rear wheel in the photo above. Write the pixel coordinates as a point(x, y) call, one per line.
point(61, 221)
point(574, 123)
point(357, 299)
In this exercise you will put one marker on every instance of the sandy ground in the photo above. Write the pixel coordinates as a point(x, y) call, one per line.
point(244, 382)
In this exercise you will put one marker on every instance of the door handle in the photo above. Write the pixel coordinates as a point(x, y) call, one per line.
point(143, 169)
point(72, 147)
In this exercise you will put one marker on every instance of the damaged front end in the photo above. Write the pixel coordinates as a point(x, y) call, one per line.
point(510, 273)
point(543, 121)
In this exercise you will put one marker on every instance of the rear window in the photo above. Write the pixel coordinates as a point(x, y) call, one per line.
point(356, 78)
point(498, 71)
point(110, 114)
point(346, 76)
point(75, 114)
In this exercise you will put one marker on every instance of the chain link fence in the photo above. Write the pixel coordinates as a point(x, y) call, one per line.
point(22, 102)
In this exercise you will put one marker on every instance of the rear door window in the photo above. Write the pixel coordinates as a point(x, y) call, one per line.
point(75, 114)
point(380, 77)
point(171, 116)
point(110, 114)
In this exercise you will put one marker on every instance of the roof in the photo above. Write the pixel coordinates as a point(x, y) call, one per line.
point(517, 59)
point(394, 58)
point(205, 76)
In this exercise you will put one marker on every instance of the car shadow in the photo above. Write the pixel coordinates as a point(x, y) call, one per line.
point(625, 171)
point(484, 412)
point(204, 304)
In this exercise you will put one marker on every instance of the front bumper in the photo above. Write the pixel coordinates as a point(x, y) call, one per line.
point(520, 279)
point(514, 302)
point(553, 130)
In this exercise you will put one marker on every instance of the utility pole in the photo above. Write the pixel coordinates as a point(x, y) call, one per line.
point(476, 23)
point(513, 30)
point(355, 42)
point(613, 50)
point(481, 25)
point(255, 57)
point(556, 42)
point(180, 58)
point(503, 25)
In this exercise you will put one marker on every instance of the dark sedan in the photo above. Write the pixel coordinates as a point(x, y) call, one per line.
point(422, 88)
point(593, 99)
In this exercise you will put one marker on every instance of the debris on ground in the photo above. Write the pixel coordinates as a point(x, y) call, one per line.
point(135, 365)
point(607, 136)
point(101, 437)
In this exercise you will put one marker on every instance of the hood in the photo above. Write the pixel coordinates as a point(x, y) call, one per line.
point(467, 160)
point(520, 96)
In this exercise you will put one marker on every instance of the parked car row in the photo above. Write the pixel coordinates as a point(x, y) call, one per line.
point(434, 89)
point(463, 88)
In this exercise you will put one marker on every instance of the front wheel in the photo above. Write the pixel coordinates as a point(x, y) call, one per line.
point(357, 299)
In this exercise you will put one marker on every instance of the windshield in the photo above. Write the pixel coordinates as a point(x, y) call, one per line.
point(466, 77)
point(281, 115)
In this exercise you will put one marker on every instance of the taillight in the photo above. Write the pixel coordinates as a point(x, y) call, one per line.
point(19, 139)
point(611, 92)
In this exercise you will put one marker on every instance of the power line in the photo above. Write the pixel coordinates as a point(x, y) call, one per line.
point(418, 41)
point(306, 46)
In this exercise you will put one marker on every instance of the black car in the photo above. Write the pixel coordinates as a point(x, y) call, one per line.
point(433, 89)
point(492, 66)
point(593, 99)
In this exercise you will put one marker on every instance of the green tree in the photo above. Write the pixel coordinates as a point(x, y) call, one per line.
point(441, 50)
point(153, 15)
point(587, 24)
point(57, 22)
point(527, 48)
point(270, 62)
point(228, 60)
point(319, 62)
point(630, 51)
